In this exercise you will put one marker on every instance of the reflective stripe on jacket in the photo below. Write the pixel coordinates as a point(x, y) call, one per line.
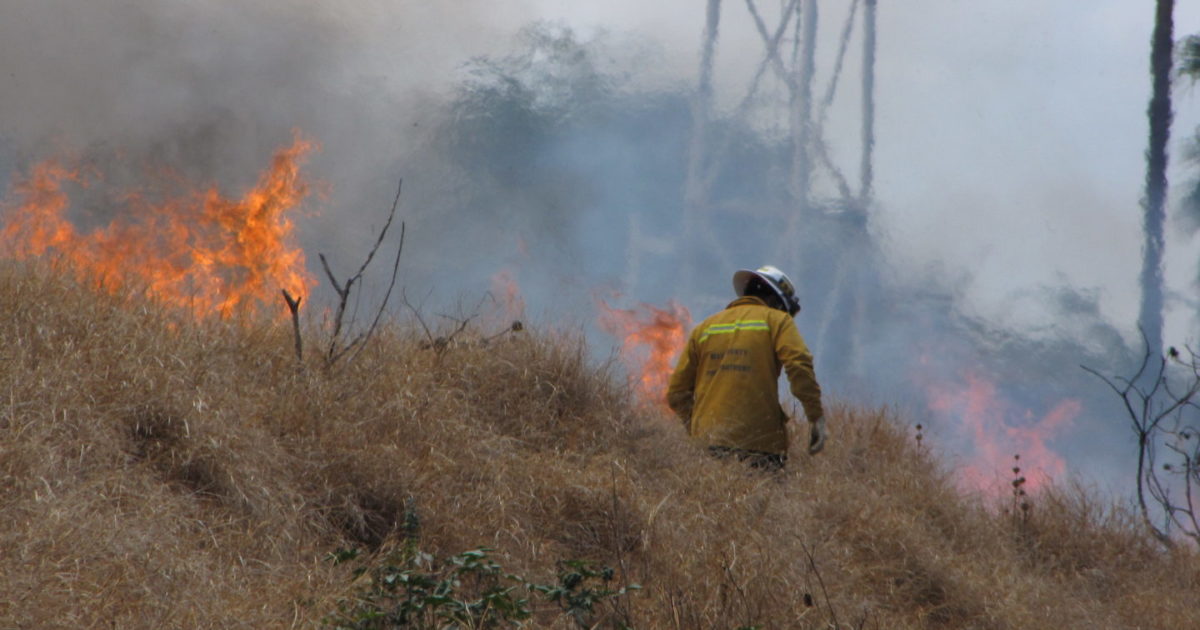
point(725, 385)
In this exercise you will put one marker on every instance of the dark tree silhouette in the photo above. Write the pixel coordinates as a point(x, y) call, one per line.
point(1150, 316)
point(1160, 400)
point(867, 170)
point(1189, 66)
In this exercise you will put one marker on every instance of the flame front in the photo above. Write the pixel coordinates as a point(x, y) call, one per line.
point(507, 295)
point(203, 252)
point(651, 339)
point(997, 432)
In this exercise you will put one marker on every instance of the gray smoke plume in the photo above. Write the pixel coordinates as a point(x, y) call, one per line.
point(209, 90)
point(549, 158)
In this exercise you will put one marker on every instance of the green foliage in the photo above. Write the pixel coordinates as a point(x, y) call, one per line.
point(409, 589)
point(577, 592)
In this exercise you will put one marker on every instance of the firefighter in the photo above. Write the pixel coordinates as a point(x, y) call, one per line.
point(725, 386)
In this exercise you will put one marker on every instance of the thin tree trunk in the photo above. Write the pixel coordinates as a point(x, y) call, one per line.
point(867, 170)
point(802, 124)
point(695, 192)
point(1150, 317)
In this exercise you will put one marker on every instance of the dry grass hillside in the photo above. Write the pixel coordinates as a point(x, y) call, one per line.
point(157, 473)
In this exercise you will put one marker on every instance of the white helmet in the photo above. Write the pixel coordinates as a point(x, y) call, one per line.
point(775, 279)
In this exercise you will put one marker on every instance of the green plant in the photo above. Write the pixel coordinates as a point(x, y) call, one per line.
point(577, 591)
point(410, 589)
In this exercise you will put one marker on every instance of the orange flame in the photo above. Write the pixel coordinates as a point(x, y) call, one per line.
point(507, 294)
point(988, 421)
point(203, 251)
point(651, 339)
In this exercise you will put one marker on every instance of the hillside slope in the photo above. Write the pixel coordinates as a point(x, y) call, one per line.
point(162, 473)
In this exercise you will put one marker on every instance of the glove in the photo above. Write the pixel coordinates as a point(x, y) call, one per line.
point(816, 439)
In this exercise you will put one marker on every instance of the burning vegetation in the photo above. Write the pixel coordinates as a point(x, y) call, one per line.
point(995, 430)
point(202, 251)
point(167, 474)
point(236, 468)
point(651, 339)
point(161, 471)
point(237, 471)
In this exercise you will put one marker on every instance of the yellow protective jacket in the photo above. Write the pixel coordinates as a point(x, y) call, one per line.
point(725, 387)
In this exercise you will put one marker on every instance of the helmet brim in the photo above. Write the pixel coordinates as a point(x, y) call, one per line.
point(742, 278)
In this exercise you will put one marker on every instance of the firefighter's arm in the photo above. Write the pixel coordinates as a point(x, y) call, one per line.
point(797, 362)
point(683, 384)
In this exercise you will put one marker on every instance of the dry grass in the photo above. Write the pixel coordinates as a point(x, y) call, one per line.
point(161, 473)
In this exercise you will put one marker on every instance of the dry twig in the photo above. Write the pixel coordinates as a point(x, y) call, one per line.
point(1150, 401)
point(336, 350)
point(293, 305)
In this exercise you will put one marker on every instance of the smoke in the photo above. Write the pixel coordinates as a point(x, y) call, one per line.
point(142, 73)
point(209, 90)
point(593, 169)
point(547, 156)
point(149, 93)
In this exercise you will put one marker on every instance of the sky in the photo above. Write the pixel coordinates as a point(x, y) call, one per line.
point(1010, 137)
point(1010, 133)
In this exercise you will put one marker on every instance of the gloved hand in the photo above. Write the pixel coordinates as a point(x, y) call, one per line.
point(816, 439)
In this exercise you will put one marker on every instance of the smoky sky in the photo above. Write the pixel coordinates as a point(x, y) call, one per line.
point(206, 89)
point(216, 86)
point(138, 72)
point(541, 137)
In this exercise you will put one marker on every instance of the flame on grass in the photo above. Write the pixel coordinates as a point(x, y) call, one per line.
point(651, 340)
point(998, 429)
point(201, 251)
point(507, 295)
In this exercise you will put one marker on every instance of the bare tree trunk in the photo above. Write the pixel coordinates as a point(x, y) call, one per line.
point(1150, 316)
point(867, 170)
point(695, 192)
point(801, 123)
point(702, 103)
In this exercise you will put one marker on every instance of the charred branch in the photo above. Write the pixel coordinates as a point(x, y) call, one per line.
point(387, 294)
point(1158, 401)
point(293, 305)
point(416, 311)
point(337, 348)
point(439, 343)
point(812, 565)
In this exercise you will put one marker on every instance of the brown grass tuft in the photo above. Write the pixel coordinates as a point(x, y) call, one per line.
point(157, 472)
